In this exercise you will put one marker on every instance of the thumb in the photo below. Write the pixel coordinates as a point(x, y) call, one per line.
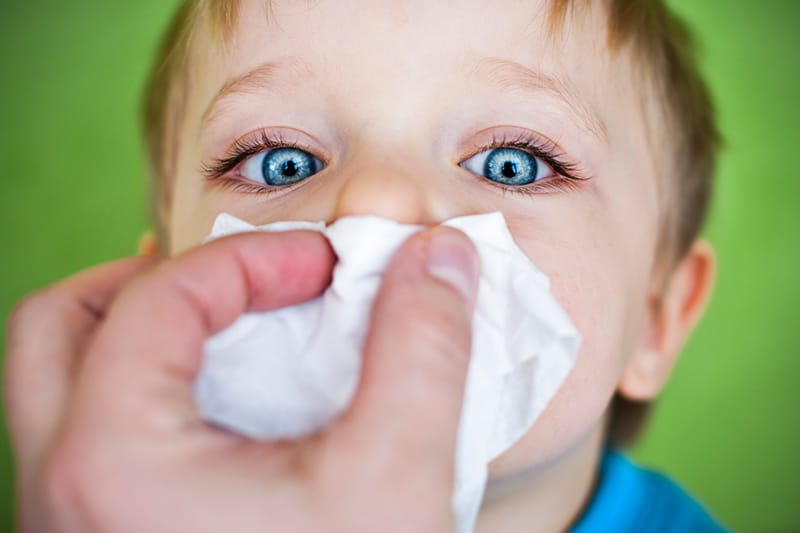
point(416, 355)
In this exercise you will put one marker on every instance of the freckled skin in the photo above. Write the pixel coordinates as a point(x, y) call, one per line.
point(383, 96)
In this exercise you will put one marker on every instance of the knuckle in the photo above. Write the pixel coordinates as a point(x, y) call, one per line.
point(68, 469)
point(24, 318)
point(61, 483)
point(444, 337)
point(29, 309)
point(72, 484)
point(442, 314)
point(28, 324)
point(33, 318)
point(441, 330)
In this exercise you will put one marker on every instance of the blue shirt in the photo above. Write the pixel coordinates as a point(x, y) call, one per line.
point(631, 499)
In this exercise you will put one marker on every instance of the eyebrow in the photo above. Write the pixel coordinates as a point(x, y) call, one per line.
point(252, 81)
point(503, 73)
point(513, 76)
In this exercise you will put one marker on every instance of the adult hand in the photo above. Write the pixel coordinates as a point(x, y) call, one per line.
point(108, 439)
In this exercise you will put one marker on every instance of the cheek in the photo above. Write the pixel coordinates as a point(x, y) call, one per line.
point(192, 215)
point(605, 298)
point(196, 206)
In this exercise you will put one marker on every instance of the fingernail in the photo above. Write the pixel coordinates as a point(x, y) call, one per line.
point(453, 260)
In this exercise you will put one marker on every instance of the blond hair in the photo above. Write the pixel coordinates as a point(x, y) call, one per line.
point(167, 92)
point(658, 40)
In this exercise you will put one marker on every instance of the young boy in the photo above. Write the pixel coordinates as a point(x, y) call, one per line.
point(584, 123)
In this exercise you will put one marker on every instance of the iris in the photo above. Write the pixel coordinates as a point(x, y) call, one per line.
point(285, 166)
point(510, 166)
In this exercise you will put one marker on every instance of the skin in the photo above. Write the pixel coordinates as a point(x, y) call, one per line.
point(112, 442)
point(390, 96)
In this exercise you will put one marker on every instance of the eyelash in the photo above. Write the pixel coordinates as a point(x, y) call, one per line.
point(568, 175)
point(244, 148)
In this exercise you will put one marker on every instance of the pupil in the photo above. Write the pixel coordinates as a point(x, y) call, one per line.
point(509, 169)
point(289, 168)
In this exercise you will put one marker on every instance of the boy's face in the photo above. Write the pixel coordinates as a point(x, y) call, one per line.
point(392, 98)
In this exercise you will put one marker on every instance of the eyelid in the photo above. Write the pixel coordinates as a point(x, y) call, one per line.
point(532, 142)
point(258, 141)
point(568, 173)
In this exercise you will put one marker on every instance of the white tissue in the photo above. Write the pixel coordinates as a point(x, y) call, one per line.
point(286, 373)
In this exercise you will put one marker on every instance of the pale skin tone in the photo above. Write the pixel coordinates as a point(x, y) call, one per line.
point(392, 98)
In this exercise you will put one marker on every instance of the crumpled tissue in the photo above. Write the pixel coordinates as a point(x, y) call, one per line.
point(286, 373)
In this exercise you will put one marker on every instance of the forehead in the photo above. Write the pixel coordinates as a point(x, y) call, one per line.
point(393, 48)
point(401, 35)
point(423, 82)
point(385, 68)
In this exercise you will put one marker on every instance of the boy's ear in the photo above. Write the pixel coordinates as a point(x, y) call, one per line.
point(673, 315)
point(148, 244)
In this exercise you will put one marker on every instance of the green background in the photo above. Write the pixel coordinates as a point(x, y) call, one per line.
point(72, 194)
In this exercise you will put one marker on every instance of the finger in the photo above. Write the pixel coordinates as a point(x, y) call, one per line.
point(46, 333)
point(417, 354)
point(142, 363)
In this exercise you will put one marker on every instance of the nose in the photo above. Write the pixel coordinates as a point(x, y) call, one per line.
point(391, 191)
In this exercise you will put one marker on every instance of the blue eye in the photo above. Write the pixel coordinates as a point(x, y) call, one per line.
point(280, 167)
point(508, 166)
